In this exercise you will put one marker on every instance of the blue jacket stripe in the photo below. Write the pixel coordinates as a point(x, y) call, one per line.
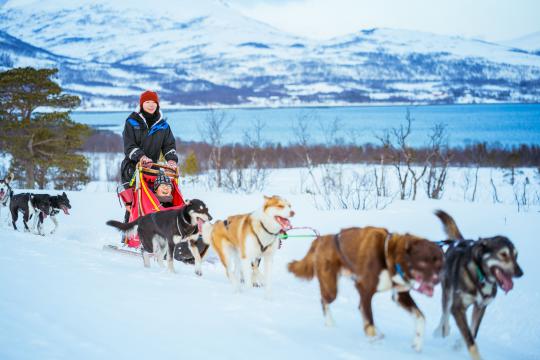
point(157, 127)
point(134, 123)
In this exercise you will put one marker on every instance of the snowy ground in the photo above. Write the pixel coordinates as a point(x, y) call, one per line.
point(62, 297)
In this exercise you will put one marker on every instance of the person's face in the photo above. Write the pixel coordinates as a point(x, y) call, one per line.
point(149, 106)
point(164, 190)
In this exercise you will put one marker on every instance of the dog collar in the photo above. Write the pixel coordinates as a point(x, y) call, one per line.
point(480, 274)
point(185, 221)
point(268, 231)
point(399, 270)
point(397, 267)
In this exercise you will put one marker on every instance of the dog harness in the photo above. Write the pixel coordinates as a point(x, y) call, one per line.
point(398, 269)
point(482, 279)
point(180, 229)
point(263, 247)
point(265, 229)
point(342, 255)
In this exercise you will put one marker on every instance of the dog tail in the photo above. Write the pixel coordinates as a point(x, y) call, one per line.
point(129, 228)
point(305, 268)
point(450, 227)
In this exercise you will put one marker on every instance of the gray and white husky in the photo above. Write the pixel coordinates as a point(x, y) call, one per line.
point(473, 269)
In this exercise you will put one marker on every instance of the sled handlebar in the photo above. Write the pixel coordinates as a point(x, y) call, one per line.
point(154, 170)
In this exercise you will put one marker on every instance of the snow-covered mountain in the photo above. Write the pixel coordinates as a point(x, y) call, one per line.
point(208, 53)
point(529, 42)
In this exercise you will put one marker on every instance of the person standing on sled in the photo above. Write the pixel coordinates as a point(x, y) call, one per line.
point(146, 136)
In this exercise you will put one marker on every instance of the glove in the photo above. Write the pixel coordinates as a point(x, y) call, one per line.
point(172, 164)
point(146, 161)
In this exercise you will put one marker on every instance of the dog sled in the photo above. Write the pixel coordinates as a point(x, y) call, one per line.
point(139, 199)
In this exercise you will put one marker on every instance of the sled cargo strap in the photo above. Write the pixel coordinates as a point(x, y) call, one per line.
point(145, 189)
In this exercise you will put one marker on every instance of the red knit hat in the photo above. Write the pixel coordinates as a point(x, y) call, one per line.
point(149, 95)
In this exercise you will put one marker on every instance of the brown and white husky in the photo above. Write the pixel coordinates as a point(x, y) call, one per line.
point(241, 241)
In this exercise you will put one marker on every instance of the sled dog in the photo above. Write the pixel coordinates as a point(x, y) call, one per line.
point(242, 240)
point(377, 260)
point(5, 192)
point(472, 271)
point(58, 202)
point(31, 205)
point(159, 232)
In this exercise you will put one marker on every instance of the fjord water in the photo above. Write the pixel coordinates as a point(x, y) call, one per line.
point(504, 124)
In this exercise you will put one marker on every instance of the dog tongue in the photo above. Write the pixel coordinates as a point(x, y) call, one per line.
point(426, 289)
point(504, 280)
point(65, 209)
point(285, 223)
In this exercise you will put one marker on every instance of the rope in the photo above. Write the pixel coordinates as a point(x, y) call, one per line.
point(286, 236)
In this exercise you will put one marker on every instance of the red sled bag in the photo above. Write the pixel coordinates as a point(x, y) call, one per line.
point(142, 198)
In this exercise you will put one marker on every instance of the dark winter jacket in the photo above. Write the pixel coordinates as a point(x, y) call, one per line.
point(139, 140)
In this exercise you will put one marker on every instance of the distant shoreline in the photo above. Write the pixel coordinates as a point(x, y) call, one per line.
point(314, 106)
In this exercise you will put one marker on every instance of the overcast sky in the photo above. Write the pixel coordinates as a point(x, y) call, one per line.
point(492, 20)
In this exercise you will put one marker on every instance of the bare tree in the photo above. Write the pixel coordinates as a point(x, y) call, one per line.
point(466, 183)
point(402, 157)
point(300, 127)
point(381, 185)
point(213, 129)
point(494, 193)
point(438, 160)
point(522, 196)
point(248, 173)
point(475, 186)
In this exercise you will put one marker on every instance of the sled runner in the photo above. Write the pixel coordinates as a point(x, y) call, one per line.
point(143, 201)
point(178, 255)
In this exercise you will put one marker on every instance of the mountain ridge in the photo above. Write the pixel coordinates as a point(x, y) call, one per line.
point(210, 54)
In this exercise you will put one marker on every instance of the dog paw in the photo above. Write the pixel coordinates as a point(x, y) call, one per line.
point(458, 345)
point(417, 344)
point(373, 334)
point(441, 331)
point(329, 322)
point(198, 272)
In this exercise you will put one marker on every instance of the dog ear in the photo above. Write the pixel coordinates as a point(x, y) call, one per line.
point(64, 194)
point(479, 248)
point(9, 178)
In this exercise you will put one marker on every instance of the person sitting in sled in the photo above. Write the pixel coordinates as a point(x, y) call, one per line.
point(163, 188)
point(146, 137)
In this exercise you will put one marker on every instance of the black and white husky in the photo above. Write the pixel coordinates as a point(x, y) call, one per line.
point(30, 205)
point(5, 192)
point(471, 274)
point(159, 232)
point(58, 202)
